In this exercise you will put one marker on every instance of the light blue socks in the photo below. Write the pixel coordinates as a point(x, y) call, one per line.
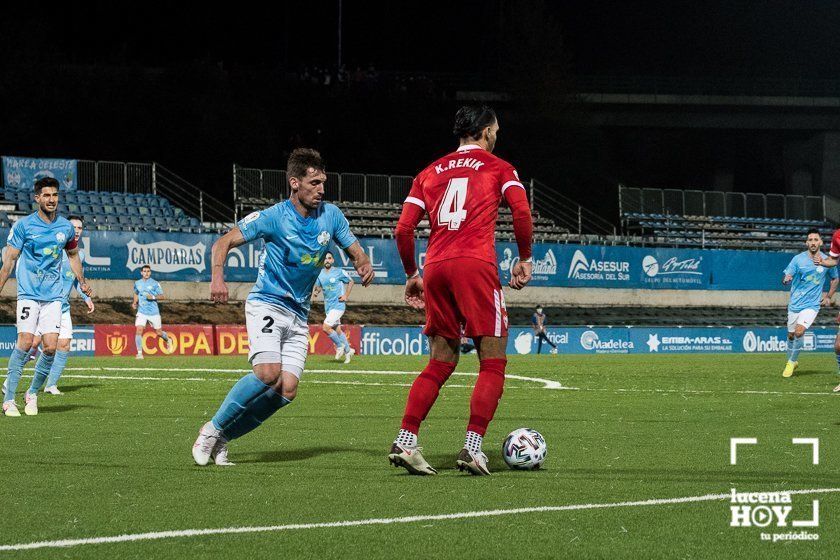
point(256, 413)
point(138, 342)
point(335, 339)
point(16, 361)
point(57, 368)
point(42, 370)
point(237, 400)
point(795, 348)
point(344, 343)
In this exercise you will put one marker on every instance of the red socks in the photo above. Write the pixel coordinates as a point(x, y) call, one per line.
point(486, 394)
point(424, 391)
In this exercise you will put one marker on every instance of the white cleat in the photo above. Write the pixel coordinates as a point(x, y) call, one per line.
point(53, 390)
point(410, 459)
point(554, 350)
point(10, 409)
point(220, 454)
point(339, 353)
point(139, 355)
point(474, 463)
point(170, 346)
point(350, 353)
point(208, 437)
point(31, 408)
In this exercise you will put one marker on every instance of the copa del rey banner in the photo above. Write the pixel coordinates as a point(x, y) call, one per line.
point(201, 340)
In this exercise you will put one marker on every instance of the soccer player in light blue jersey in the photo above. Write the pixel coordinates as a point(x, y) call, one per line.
point(34, 251)
point(65, 334)
point(807, 280)
point(297, 233)
point(332, 282)
point(147, 294)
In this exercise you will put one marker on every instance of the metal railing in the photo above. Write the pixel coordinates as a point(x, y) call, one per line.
point(251, 183)
point(729, 204)
point(153, 178)
point(567, 213)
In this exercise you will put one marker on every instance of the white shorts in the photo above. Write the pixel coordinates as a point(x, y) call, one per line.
point(66, 330)
point(142, 319)
point(333, 317)
point(805, 318)
point(274, 329)
point(38, 317)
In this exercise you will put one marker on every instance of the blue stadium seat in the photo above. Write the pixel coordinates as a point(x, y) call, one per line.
point(148, 221)
point(161, 223)
point(120, 209)
point(144, 210)
point(133, 210)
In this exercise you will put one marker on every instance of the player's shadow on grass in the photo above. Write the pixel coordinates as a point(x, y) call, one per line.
point(301, 454)
point(74, 388)
point(65, 407)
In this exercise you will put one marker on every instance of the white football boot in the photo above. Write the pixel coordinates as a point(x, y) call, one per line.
point(339, 353)
point(410, 459)
point(349, 355)
point(220, 453)
point(31, 408)
point(53, 390)
point(474, 463)
point(10, 409)
point(208, 437)
point(139, 355)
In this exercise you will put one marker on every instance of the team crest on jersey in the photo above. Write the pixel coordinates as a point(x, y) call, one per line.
point(332, 280)
point(60, 237)
point(323, 238)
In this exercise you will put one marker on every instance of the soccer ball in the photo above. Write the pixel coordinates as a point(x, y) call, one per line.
point(524, 449)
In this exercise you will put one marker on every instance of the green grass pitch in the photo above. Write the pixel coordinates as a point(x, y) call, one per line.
point(112, 456)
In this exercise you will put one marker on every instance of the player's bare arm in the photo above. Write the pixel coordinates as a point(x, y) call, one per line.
point(346, 295)
point(523, 231)
point(221, 248)
point(10, 258)
point(832, 289)
point(79, 270)
point(361, 262)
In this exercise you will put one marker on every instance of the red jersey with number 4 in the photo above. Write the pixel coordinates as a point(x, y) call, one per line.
point(461, 192)
point(834, 251)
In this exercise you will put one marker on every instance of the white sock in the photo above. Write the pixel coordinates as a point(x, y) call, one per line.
point(406, 439)
point(473, 442)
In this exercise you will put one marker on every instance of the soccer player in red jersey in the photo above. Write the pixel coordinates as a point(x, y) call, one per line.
point(461, 193)
point(833, 256)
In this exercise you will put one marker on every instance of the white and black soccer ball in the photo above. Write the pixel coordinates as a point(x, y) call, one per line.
point(524, 449)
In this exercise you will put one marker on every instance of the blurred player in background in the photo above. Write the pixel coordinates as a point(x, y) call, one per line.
point(538, 324)
point(297, 233)
point(461, 194)
point(65, 334)
point(332, 282)
point(34, 250)
point(147, 294)
point(807, 279)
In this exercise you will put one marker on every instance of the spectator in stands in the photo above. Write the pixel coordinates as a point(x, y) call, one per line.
point(538, 324)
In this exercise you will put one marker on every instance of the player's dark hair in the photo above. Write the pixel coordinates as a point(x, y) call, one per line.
point(44, 182)
point(470, 120)
point(301, 159)
point(330, 253)
point(814, 230)
point(145, 266)
point(76, 217)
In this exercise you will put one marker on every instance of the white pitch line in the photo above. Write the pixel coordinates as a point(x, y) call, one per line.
point(547, 383)
point(158, 535)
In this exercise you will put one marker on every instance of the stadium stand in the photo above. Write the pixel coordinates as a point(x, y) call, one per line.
point(107, 211)
point(722, 220)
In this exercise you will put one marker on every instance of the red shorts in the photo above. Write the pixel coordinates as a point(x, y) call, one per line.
point(466, 293)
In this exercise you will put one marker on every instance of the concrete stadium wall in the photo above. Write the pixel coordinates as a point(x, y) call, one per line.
point(393, 294)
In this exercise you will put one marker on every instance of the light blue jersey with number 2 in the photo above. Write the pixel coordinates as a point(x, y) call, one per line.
point(294, 251)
